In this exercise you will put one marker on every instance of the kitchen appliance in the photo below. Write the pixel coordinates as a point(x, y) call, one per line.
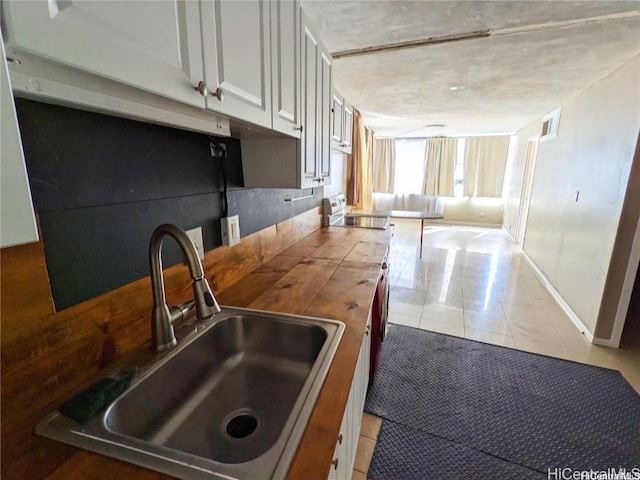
point(380, 315)
point(336, 215)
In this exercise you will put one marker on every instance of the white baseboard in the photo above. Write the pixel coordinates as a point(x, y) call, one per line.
point(449, 223)
point(606, 342)
point(563, 304)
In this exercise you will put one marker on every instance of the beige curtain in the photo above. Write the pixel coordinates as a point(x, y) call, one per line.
point(440, 166)
point(359, 166)
point(485, 162)
point(366, 199)
point(384, 164)
point(354, 164)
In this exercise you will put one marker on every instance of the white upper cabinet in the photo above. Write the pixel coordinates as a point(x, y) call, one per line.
point(289, 162)
point(341, 123)
point(256, 60)
point(17, 220)
point(285, 65)
point(347, 128)
point(324, 116)
point(316, 107)
point(336, 117)
point(154, 46)
point(237, 58)
point(311, 132)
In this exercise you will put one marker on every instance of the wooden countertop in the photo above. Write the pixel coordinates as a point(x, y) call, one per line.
point(331, 273)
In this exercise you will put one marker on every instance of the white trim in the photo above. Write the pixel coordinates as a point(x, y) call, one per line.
point(605, 342)
point(558, 298)
point(526, 188)
point(428, 223)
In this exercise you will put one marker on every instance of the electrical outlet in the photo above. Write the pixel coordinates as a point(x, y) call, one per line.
point(230, 230)
point(195, 234)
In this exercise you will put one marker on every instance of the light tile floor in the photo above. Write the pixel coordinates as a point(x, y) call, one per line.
point(474, 283)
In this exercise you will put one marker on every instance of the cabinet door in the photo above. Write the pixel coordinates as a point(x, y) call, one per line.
point(336, 118)
point(286, 57)
point(333, 471)
point(350, 438)
point(339, 464)
point(154, 46)
point(237, 60)
point(347, 128)
point(310, 132)
point(324, 117)
point(17, 221)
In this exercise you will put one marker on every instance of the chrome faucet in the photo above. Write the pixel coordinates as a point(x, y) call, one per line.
point(162, 318)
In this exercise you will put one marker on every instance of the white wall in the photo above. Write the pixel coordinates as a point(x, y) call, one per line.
point(572, 241)
point(480, 211)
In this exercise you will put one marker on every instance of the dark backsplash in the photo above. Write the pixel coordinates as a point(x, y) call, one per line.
point(102, 184)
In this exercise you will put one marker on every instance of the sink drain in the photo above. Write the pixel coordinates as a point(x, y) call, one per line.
point(241, 423)
point(242, 426)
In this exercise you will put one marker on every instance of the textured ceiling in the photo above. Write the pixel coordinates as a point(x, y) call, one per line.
point(505, 81)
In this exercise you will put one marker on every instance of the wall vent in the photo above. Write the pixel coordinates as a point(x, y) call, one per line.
point(550, 125)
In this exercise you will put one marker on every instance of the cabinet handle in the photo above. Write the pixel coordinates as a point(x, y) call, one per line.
point(335, 463)
point(340, 439)
point(202, 89)
point(219, 94)
point(298, 128)
point(366, 330)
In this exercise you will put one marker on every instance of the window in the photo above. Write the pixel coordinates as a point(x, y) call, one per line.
point(409, 168)
point(409, 171)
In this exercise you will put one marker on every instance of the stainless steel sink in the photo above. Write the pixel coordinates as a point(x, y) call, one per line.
point(232, 400)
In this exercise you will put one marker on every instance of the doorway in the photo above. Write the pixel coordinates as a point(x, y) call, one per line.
point(631, 332)
point(527, 185)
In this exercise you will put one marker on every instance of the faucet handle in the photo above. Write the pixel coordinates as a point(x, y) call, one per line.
point(206, 303)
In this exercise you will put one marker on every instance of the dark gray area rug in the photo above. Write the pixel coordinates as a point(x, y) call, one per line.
point(456, 408)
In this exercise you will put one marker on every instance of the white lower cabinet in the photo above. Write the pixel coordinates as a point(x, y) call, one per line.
point(347, 444)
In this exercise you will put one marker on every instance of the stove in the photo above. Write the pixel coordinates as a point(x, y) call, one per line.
point(335, 215)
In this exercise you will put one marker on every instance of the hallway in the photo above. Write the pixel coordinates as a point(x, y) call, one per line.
point(474, 283)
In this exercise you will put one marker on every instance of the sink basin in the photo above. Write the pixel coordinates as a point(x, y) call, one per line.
point(231, 400)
